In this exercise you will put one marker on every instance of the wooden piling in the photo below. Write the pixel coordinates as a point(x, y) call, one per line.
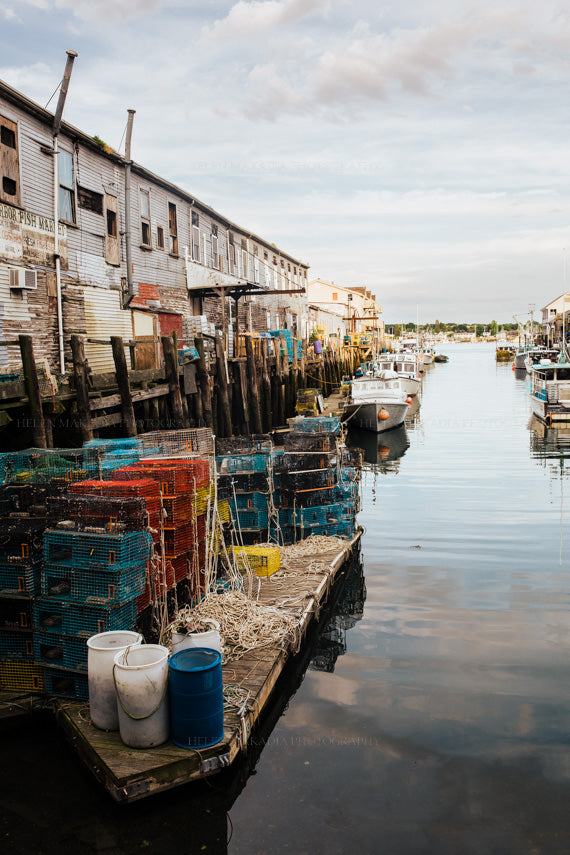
point(255, 412)
point(243, 397)
point(81, 387)
point(265, 387)
point(33, 391)
point(171, 375)
point(127, 411)
point(204, 383)
point(225, 413)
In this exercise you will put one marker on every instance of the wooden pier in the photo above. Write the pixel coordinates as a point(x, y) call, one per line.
point(132, 774)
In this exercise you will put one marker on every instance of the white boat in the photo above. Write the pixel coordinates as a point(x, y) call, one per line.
point(376, 403)
point(408, 370)
point(536, 355)
point(428, 355)
point(549, 390)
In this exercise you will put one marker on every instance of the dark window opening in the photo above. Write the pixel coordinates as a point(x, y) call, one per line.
point(112, 223)
point(9, 186)
point(195, 220)
point(145, 233)
point(160, 237)
point(7, 137)
point(90, 200)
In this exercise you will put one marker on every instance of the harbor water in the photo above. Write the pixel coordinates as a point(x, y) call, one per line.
point(431, 712)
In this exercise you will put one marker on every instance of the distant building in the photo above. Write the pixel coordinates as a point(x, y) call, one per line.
point(340, 311)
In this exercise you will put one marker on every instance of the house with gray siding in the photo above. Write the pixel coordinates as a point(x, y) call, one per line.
point(187, 259)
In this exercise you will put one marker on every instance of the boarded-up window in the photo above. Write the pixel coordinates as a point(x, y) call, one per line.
point(172, 229)
point(112, 253)
point(9, 162)
point(66, 187)
point(215, 259)
point(195, 237)
point(144, 198)
point(160, 237)
point(90, 200)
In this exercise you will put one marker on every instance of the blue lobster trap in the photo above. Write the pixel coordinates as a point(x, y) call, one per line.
point(91, 551)
point(65, 683)
point(60, 617)
point(18, 578)
point(17, 644)
point(93, 587)
point(61, 650)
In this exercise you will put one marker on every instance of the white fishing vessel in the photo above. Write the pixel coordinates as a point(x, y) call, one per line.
point(549, 390)
point(407, 367)
point(376, 403)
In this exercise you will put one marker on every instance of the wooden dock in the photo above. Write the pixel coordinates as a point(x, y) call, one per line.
point(132, 774)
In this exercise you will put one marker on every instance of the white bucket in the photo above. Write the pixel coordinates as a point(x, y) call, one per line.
point(102, 649)
point(141, 683)
point(210, 638)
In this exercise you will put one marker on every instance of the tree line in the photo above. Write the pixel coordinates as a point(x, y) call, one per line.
point(491, 328)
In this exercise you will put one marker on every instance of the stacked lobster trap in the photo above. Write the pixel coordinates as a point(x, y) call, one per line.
point(283, 495)
point(94, 540)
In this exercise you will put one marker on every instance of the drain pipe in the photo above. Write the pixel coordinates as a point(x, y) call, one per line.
point(128, 250)
point(71, 54)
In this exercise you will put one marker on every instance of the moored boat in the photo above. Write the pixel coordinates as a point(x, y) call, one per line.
point(376, 403)
point(549, 390)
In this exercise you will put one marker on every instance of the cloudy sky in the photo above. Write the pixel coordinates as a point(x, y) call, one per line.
point(419, 148)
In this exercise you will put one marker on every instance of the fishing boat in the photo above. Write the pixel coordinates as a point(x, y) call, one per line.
point(549, 390)
point(407, 367)
point(536, 355)
point(428, 355)
point(376, 403)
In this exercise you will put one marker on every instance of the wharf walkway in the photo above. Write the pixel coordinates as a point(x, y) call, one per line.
point(131, 774)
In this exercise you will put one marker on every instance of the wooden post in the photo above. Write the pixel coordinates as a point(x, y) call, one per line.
point(243, 386)
point(122, 373)
point(225, 428)
point(204, 383)
point(171, 373)
point(289, 407)
point(33, 391)
point(294, 376)
point(255, 412)
point(81, 387)
point(280, 386)
point(265, 387)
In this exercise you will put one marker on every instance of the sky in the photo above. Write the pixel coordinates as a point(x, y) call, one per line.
point(418, 148)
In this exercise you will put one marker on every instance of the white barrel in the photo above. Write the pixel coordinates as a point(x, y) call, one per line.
point(210, 638)
point(141, 684)
point(102, 649)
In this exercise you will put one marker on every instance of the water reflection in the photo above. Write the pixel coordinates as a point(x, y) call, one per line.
point(548, 443)
point(382, 450)
point(347, 612)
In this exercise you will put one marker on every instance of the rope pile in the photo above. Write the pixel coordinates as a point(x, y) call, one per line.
point(247, 625)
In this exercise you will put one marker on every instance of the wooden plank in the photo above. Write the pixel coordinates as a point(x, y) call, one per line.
point(138, 395)
point(106, 421)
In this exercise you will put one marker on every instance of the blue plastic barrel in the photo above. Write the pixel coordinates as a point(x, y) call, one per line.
point(196, 697)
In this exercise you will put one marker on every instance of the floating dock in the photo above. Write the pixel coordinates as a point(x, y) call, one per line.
point(130, 774)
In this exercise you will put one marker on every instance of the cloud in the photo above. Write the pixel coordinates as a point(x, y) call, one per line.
point(100, 10)
point(259, 16)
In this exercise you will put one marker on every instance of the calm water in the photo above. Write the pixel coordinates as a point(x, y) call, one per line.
point(434, 716)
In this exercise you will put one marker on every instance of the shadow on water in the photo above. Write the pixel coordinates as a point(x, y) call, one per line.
point(50, 803)
point(381, 450)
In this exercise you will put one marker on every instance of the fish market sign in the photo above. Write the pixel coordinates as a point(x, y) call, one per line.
point(30, 237)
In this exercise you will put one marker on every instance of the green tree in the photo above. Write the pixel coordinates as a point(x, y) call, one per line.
point(437, 326)
point(397, 331)
point(494, 328)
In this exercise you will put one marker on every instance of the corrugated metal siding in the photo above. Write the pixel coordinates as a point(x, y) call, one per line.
point(104, 318)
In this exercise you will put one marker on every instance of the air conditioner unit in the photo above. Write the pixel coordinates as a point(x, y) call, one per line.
point(22, 277)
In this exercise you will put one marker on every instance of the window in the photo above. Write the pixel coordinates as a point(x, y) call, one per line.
point(215, 260)
point(335, 295)
point(172, 229)
point(112, 252)
point(244, 259)
point(232, 253)
point(195, 237)
point(144, 197)
point(9, 162)
point(66, 187)
point(90, 200)
point(160, 237)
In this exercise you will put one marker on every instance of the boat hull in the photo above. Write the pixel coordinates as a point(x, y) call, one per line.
point(366, 415)
point(410, 385)
point(550, 414)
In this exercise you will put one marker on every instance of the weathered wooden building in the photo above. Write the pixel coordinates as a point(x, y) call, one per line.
point(186, 258)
